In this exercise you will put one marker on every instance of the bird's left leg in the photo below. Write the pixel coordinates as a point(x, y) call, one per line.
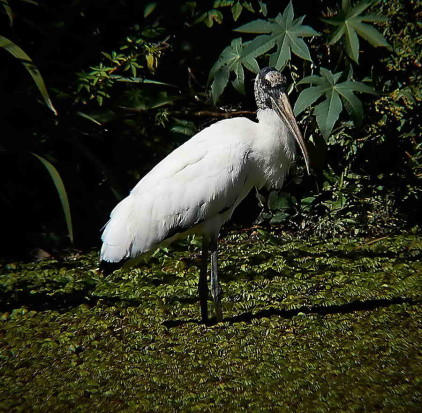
point(216, 290)
point(203, 284)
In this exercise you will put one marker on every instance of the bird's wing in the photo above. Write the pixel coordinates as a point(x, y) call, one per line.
point(200, 179)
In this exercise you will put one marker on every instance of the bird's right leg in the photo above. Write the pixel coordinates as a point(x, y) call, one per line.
point(203, 284)
point(216, 290)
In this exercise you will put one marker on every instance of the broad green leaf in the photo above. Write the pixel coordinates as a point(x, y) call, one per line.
point(314, 79)
point(285, 33)
point(307, 98)
point(19, 54)
point(239, 81)
point(349, 25)
point(232, 59)
point(236, 10)
point(358, 87)
point(327, 113)
point(256, 26)
point(352, 104)
point(280, 57)
point(58, 183)
point(221, 79)
point(334, 95)
point(279, 218)
point(278, 201)
point(183, 127)
point(371, 35)
point(351, 43)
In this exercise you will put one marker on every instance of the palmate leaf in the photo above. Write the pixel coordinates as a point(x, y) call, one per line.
point(335, 94)
point(285, 33)
point(19, 54)
point(233, 59)
point(350, 25)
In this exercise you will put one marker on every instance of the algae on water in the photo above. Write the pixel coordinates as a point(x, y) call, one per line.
point(318, 325)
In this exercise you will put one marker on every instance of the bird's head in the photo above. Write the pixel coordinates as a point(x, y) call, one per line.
point(270, 93)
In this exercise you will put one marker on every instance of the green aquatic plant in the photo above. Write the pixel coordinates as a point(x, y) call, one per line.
point(317, 325)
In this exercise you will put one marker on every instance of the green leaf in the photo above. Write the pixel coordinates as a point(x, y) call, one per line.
point(119, 78)
point(279, 201)
point(327, 113)
point(256, 26)
point(371, 35)
point(279, 218)
point(232, 59)
point(19, 54)
point(352, 104)
point(149, 8)
point(307, 97)
point(90, 118)
point(58, 183)
point(236, 10)
point(8, 11)
point(349, 25)
point(183, 127)
point(285, 33)
point(335, 94)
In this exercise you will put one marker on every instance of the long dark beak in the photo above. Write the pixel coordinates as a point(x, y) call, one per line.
point(284, 110)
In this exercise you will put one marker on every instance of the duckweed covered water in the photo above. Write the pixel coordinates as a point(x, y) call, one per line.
point(317, 326)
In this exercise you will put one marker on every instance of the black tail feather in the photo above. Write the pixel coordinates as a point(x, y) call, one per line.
point(108, 267)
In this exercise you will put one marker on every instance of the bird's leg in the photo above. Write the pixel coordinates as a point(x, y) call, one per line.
point(216, 290)
point(202, 284)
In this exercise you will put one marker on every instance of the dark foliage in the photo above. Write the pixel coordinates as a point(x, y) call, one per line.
point(109, 132)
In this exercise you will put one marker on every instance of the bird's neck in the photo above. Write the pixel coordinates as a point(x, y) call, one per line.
point(276, 132)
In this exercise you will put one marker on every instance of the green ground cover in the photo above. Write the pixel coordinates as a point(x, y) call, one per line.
point(310, 326)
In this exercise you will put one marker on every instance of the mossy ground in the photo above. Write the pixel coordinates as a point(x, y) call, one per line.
point(317, 326)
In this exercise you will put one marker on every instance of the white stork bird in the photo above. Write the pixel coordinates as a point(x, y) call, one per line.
point(196, 188)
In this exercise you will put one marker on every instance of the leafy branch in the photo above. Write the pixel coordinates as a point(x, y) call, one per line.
point(349, 23)
point(284, 33)
point(335, 94)
point(124, 65)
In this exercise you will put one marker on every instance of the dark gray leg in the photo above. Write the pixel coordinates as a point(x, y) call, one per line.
point(216, 290)
point(202, 284)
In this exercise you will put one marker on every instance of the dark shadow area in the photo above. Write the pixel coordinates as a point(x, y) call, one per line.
point(322, 310)
point(59, 302)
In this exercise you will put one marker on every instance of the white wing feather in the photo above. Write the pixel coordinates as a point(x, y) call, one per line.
point(205, 177)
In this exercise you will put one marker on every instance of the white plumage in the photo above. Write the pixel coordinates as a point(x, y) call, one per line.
point(196, 188)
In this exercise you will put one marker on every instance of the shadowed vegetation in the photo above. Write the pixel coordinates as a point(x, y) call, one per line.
point(309, 326)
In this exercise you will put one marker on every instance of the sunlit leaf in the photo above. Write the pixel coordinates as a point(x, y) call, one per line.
point(232, 59)
point(335, 94)
point(19, 54)
point(350, 24)
point(61, 190)
point(236, 10)
point(285, 33)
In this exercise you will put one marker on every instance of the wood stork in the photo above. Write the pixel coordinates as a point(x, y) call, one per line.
point(196, 188)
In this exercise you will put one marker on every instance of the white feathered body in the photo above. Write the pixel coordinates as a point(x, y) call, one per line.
point(196, 188)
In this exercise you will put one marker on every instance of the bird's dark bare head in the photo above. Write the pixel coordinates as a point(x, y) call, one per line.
point(270, 93)
point(268, 83)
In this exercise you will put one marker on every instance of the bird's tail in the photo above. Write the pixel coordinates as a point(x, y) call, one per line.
point(118, 235)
